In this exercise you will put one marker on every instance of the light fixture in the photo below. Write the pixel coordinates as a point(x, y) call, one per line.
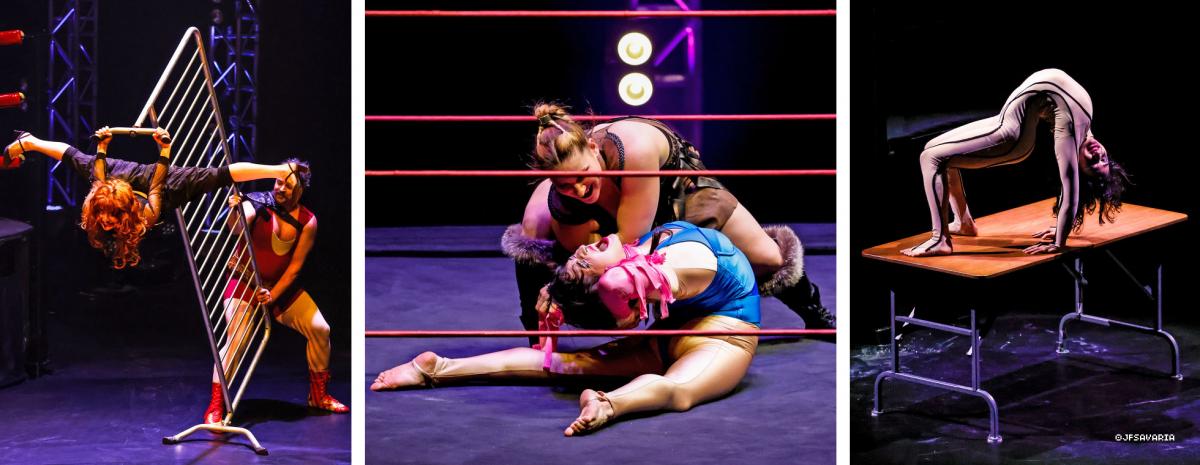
point(635, 89)
point(634, 48)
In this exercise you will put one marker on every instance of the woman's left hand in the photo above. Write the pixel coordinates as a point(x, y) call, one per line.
point(544, 303)
point(162, 137)
point(1044, 247)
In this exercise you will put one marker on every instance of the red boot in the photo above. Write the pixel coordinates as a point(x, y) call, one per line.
point(317, 395)
point(216, 407)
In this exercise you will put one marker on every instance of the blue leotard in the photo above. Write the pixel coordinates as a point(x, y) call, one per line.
point(733, 291)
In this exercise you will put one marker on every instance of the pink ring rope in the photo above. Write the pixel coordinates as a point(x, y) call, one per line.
point(596, 13)
point(599, 174)
point(527, 118)
point(600, 333)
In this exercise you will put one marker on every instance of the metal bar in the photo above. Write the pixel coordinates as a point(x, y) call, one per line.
point(250, 327)
point(196, 142)
point(167, 105)
point(207, 144)
point(1176, 366)
point(244, 317)
point(210, 201)
point(239, 294)
point(1158, 324)
point(1080, 283)
point(224, 243)
point(218, 290)
point(262, 345)
point(199, 291)
point(1144, 289)
point(183, 43)
point(994, 417)
point(1155, 296)
point(974, 353)
point(258, 448)
point(877, 409)
point(256, 318)
point(934, 325)
point(195, 227)
point(894, 341)
point(183, 121)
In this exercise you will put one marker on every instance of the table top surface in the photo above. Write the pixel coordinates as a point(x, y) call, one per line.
point(997, 250)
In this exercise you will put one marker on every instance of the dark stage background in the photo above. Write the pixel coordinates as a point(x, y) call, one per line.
point(303, 103)
point(434, 66)
point(915, 66)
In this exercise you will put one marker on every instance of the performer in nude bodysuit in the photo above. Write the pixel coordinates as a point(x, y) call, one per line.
point(1090, 180)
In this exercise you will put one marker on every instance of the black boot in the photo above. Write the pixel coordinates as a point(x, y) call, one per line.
point(804, 298)
point(535, 268)
point(790, 284)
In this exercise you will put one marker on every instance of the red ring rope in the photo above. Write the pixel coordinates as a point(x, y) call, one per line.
point(592, 332)
point(527, 118)
point(600, 174)
point(598, 13)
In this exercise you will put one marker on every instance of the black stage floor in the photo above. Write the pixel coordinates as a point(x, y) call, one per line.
point(1053, 408)
point(133, 365)
point(783, 411)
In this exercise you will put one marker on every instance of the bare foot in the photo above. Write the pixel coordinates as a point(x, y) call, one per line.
point(963, 228)
point(594, 411)
point(406, 375)
point(933, 247)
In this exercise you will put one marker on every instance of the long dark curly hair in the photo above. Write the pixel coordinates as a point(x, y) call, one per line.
point(1100, 194)
point(575, 294)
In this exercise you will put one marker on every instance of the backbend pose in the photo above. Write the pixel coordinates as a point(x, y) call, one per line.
point(1090, 180)
point(127, 198)
point(699, 280)
point(572, 211)
point(283, 232)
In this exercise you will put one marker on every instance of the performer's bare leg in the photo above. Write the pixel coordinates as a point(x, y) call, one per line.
point(705, 368)
point(620, 358)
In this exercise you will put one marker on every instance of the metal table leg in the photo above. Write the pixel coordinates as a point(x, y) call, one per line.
point(973, 390)
point(1156, 296)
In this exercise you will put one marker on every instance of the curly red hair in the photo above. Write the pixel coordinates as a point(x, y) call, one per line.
point(114, 199)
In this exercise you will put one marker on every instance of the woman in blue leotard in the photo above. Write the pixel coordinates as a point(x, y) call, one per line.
point(694, 276)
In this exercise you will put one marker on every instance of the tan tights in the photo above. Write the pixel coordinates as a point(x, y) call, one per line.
point(699, 368)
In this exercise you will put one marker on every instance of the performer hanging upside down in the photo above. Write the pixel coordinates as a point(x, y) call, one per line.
point(578, 210)
point(698, 279)
point(1090, 180)
point(283, 232)
point(126, 198)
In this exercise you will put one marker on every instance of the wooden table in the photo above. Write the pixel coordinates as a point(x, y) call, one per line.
point(997, 251)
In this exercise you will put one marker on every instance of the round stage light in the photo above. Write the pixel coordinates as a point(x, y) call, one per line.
point(634, 48)
point(635, 89)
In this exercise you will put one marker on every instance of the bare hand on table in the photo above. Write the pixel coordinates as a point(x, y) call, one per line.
point(1047, 233)
point(1044, 247)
